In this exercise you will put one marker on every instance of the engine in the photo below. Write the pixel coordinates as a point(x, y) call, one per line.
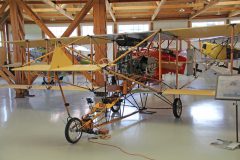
point(145, 62)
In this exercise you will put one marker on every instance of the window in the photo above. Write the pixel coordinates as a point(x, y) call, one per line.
point(235, 21)
point(205, 24)
point(109, 29)
point(88, 30)
point(128, 28)
point(58, 31)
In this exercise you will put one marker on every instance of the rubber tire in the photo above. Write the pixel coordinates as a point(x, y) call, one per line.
point(47, 83)
point(68, 138)
point(176, 104)
point(116, 109)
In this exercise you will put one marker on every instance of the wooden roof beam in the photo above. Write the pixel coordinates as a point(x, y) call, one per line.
point(234, 13)
point(79, 1)
point(78, 18)
point(35, 18)
point(109, 8)
point(157, 10)
point(225, 3)
point(230, 2)
point(4, 17)
point(59, 9)
point(205, 8)
point(4, 6)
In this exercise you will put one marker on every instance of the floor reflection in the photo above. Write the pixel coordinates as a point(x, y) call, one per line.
point(206, 111)
point(3, 112)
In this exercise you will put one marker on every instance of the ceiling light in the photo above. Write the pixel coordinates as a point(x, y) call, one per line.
point(182, 10)
point(218, 13)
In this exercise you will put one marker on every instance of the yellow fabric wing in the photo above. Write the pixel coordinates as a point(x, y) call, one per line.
point(81, 40)
point(189, 92)
point(83, 68)
point(33, 68)
point(80, 68)
point(60, 62)
point(42, 87)
point(203, 32)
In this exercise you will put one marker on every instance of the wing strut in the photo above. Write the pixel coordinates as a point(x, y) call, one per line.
point(63, 96)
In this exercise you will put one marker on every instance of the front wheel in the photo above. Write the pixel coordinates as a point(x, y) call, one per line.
point(73, 131)
point(177, 107)
point(115, 108)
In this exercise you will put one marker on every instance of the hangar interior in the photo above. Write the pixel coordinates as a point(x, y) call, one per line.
point(32, 122)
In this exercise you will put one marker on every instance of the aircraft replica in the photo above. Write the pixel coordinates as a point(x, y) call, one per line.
point(137, 68)
point(221, 52)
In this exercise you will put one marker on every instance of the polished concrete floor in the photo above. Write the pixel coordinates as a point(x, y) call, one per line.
point(33, 128)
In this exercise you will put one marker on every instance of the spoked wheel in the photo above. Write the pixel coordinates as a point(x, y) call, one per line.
point(115, 108)
point(73, 130)
point(177, 107)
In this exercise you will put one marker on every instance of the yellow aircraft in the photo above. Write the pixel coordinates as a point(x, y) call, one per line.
point(123, 84)
point(219, 51)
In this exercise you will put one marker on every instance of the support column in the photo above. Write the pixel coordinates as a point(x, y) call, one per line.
point(151, 26)
point(9, 57)
point(99, 21)
point(227, 21)
point(43, 34)
point(232, 48)
point(160, 57)
point(17, 23)
point(177, 68)
point(115, 47)
point(115, 28)
point(189, 42)
point(4, 38)
point(3, 57)
point(79, 30)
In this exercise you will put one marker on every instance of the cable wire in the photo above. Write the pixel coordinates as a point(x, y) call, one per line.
point(123, 151)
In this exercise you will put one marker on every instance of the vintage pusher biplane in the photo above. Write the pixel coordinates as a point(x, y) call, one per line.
point(137, 67)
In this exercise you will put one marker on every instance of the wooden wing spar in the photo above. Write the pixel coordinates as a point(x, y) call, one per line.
point(60, 62)
point(189, 92)
point(192, 92)
point(42, 87)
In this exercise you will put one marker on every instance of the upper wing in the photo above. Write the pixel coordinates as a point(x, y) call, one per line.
point(166, 34)
point(42, 87)
point(80, 40)
point(203, 32)
point(40, 67)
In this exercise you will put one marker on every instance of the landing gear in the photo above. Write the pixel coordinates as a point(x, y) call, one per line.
point(177, 107)
point(116, 108)
point(73, 131)
point(45, 81)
